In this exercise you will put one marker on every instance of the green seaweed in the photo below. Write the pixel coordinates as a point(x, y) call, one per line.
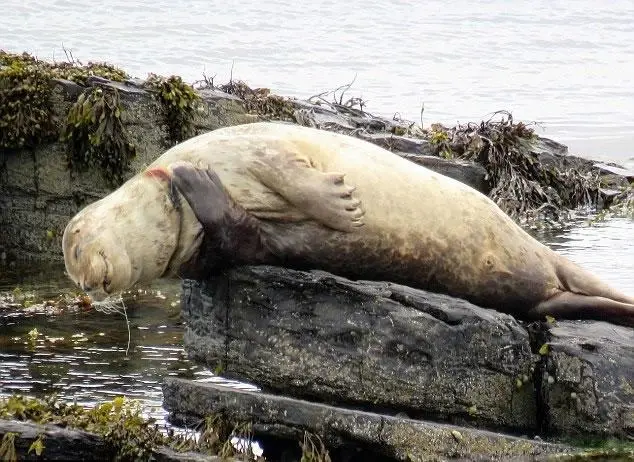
point(313, 449)
point(120, 423)
point(597, 449)
point(25, 105)
point(180, 102)
point(26, 113)
point(95, 135)
point(7, 448)
point(622, 207)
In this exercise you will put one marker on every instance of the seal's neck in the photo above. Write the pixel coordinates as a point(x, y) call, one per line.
point(190, 233)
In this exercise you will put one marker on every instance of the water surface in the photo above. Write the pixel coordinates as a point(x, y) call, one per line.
point(565, 64)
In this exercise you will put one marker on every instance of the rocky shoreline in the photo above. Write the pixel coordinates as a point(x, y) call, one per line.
point(371, 368)
point(390, 349)
point(40, 192)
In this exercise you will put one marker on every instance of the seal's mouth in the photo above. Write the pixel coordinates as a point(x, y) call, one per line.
point(107, 282)
point(103, 287)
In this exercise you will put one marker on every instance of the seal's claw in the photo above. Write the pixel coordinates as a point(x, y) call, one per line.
point(336, 178)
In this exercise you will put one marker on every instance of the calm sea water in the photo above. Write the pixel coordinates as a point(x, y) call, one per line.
point(564, 64)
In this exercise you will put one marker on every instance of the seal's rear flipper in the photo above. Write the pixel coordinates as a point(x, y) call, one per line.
point(324, 197)
point(568, 305)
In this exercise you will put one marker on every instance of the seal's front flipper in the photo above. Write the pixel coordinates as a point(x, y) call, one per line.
point(324, 197)
point(204, 192)
point(569, 305)
point(231, 234)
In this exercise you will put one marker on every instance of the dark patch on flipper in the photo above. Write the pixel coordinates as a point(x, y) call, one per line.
point(232, 236)
point(324, 197)
point(568, 305)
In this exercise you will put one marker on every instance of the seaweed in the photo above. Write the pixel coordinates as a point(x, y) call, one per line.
point(25, 105)
point(313, 451)
point(121, 424)
point(521, 185)
point(7, 447)
point(261, 101)
point(179, 101)
point(26, 113)
point(622, 206)
point(95, 135)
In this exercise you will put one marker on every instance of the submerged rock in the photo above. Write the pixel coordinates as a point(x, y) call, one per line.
point(315, 335)
point(375, 436)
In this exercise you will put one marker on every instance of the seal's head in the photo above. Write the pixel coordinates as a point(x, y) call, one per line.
point(127, 237)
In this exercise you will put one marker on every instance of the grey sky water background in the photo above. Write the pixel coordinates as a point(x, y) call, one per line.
point(565, 64)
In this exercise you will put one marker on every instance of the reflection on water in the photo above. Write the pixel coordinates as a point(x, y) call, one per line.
point(80, 355)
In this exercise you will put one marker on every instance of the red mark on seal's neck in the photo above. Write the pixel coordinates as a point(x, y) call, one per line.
point(160, 173)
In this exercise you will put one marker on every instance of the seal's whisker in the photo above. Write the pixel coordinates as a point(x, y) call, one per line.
point(114, 304)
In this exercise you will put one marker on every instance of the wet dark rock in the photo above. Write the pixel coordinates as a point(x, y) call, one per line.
point(70, 89)
point(399, 143)
point(122, 87)
point(546, 148)
point(375, 436)
point(371, 344)
point(60, 443)
point(587, 379)
point(470, 173)
point(389, 348)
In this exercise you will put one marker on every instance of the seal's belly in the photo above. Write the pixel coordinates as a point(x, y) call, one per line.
point(464, 269)
point(431, 232)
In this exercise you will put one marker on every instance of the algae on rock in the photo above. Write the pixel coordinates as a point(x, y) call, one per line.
point(524, 187)
point(121, 424)
point(26, 113)
point(180, 102)
point(95, 134)
point(261, 101)
point(25, 106)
